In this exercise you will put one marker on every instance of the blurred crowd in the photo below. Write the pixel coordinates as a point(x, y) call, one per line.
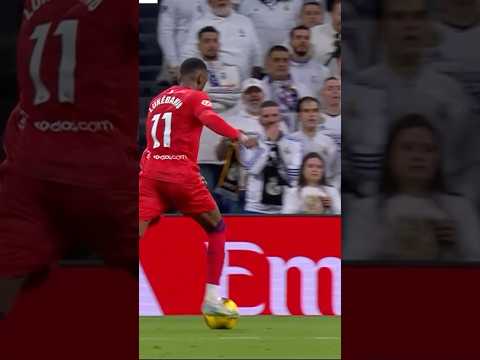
point(274, 72)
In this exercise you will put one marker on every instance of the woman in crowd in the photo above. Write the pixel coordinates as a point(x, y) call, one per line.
point(413, 217)
point(312, 195)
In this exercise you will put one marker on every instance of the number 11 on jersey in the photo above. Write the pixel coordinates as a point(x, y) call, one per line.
point(167, 129)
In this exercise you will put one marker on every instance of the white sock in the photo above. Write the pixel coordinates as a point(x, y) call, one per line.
point(212, 293)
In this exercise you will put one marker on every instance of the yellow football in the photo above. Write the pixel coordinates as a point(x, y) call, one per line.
point(223, 322)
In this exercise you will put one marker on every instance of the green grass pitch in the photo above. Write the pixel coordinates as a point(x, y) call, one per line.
point(254, 337)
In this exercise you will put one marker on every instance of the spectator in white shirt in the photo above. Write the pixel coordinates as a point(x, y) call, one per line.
point(325, 35)
point(223, 84)
point(407, 84)
point(312, 14)
point(246, 118)
point(272, 165)
point(223, 87)
point(281, 87)
point(312, 195)
point(314, 141)
point(331, 99)
point(247, 112)
point(174, 20)
point(239, 44)
point(272, 19)
point(303, 67)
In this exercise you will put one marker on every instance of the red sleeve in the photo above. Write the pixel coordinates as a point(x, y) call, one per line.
point(202, 109)
point(200, 102)
point(215, 122)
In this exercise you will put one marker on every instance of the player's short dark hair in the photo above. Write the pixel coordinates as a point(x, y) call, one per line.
point(305, 99)
point(268, 103)
point(191, 65)
point(277, 48)
point(299, 27)
point(207, 29)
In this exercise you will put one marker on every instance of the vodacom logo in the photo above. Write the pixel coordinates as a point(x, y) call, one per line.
point(71, 126)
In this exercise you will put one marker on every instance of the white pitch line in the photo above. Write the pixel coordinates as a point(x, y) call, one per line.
point(146, 338)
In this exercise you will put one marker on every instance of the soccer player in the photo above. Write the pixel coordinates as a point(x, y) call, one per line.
point(170, 176)
point(71, 135)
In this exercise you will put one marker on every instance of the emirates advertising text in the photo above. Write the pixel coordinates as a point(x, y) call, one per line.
point(273, 265)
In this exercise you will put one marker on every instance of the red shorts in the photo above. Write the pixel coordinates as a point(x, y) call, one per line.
point(156, 197)
point(40, 220)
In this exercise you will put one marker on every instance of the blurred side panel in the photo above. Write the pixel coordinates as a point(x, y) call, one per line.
point(411, 171)
point(68, 180)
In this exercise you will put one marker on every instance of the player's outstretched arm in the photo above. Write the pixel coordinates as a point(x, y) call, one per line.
point(216, 123)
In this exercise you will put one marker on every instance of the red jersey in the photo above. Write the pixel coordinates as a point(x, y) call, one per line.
point(77, 68)
point(173, 129)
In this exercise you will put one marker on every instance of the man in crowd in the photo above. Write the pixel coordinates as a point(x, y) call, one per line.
point(331, 96)
point(281, 87)
point(240, 45)
point(272, 164)
point(223, 84)
point(312, 13)
point(174, 20)
point(223, 87)
point(303, 67)
point(231, 185)
point(313, 140)
point(272, 19)
point(325, 35)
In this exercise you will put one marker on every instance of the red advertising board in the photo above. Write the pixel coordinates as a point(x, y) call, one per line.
point(274, 265)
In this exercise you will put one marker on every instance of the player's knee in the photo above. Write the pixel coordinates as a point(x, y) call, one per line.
point(217, 228)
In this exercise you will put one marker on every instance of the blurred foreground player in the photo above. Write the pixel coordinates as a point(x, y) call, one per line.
point(170, 177)
point(69, 138)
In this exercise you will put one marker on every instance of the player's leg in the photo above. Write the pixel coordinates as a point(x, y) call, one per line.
point(152, 204)
point(213, 224)
point(194, 200)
